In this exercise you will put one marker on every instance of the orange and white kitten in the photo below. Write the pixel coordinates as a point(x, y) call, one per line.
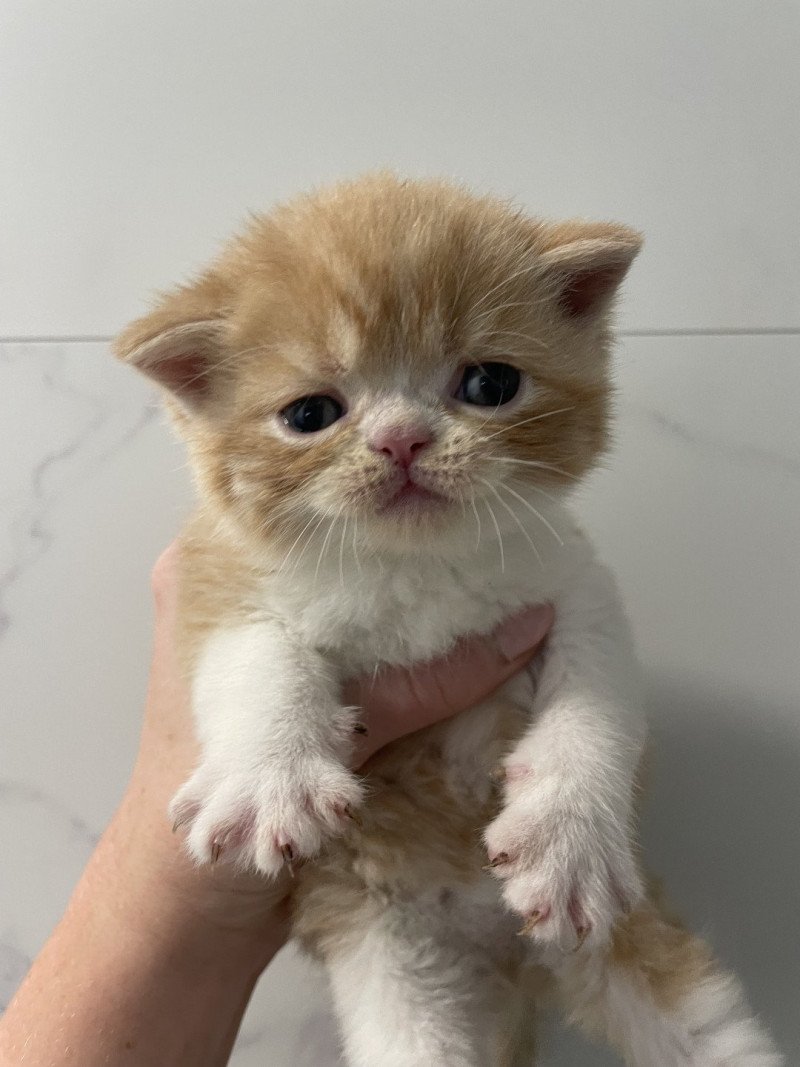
point(387, 390)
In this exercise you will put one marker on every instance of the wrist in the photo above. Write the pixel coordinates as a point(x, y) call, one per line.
point(173, 980)
point(147, 888)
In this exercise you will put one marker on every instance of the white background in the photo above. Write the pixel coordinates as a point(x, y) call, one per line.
point(134, 136)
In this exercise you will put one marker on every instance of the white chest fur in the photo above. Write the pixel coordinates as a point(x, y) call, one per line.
point(411, 608)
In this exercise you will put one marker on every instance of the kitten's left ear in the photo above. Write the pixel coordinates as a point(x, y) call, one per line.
point(586, 263)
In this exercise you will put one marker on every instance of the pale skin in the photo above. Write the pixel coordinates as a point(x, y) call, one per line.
point(155, 959)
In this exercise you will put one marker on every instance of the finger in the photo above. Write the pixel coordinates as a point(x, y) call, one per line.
point(399, 701)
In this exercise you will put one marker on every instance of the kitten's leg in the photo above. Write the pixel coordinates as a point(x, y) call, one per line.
point(563, 842)
point(271, 781)
point(659, 997)
point(408, 995)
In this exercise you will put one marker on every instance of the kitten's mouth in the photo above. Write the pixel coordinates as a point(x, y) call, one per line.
point(410, 496)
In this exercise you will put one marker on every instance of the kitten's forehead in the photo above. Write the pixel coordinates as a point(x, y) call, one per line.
point(345, 340)
point(385, 277)
point(392, 348)
point(389, 327)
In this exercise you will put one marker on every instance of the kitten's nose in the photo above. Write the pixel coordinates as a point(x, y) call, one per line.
point(402, 444)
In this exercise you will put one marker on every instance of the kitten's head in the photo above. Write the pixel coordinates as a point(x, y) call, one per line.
point(389, 361)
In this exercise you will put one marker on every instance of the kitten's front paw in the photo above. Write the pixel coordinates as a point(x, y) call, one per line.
point(266, 816)
point(567, 866)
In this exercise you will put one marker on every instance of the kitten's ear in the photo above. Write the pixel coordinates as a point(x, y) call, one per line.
point(181, 344)
point(586, 263)
point(181, 358)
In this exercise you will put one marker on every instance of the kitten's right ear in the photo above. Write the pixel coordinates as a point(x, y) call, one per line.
point(182, 357)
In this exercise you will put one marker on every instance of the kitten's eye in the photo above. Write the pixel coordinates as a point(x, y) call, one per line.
point(488, 384)
point(312, 413)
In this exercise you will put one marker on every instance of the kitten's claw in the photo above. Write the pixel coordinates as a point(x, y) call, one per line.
point(269, 818)
point(537, 916)
point(582, 932)
point(561, 880)
point(183, 814)
point(288, 854)
point(348, 813)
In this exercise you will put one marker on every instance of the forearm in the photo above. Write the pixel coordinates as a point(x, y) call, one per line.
point(133, 975)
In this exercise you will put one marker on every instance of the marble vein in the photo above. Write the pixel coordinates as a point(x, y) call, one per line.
point(751, 455)
point(30, 534)
point(18, 792)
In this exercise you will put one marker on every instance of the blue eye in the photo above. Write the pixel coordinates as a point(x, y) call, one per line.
point(312, 413)
point(488, 384)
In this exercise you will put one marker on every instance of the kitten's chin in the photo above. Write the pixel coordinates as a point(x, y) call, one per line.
point(413, 501)
point(416, 526)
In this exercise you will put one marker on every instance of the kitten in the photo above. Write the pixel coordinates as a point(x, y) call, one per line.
point(387, 391)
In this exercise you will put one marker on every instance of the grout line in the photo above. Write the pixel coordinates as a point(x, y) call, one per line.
point(58, 339)
point(720, 331)
point(700, 331)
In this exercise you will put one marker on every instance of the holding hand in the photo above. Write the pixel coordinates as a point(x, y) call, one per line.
point(176, 949)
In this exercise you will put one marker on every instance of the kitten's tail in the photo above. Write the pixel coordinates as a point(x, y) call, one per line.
point(659, 997)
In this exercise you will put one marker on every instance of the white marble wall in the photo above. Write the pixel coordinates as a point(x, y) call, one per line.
point(135, 134)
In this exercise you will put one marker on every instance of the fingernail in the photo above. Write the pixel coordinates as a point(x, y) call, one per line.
point(524, 631)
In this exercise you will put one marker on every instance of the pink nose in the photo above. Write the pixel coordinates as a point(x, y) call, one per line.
point(401, 443)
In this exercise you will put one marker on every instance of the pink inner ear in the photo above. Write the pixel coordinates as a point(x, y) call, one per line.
point(586, 289)
point(184, 374)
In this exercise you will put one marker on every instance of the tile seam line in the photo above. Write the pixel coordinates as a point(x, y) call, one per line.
point(700, 331)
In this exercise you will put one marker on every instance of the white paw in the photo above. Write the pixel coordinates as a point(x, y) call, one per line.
point(267, 815)
point(567, 865)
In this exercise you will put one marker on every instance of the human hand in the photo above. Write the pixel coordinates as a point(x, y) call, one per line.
point(239, 907)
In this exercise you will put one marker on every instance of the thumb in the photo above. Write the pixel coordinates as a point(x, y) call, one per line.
point(399, 701)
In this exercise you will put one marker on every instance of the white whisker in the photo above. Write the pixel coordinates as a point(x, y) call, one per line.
point(516, 519)
point(294, 543)
point(324, 548)
point(478, 521)
point(498, 334)
point(341, 553)
point(465, 275)
point(536, 265)
point(540, 464)
point(499, 535)
point(308, 541)
point(355, 543)
point(534, 511)
point(533, 418)
point(223, 363)
point(474, 432)
point(542, 492)
point(484, 326)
